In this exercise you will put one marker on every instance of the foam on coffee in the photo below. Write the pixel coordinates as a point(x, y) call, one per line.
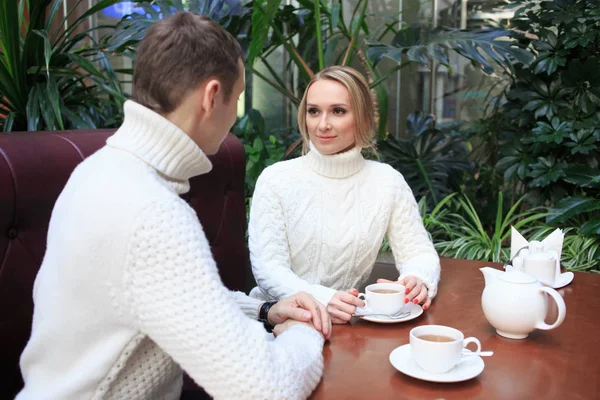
point(437, 338)
point(385, 291)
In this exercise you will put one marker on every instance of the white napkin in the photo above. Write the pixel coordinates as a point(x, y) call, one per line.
point(552, 242)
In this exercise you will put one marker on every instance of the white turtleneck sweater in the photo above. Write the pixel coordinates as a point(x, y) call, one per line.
point(128, 293)
point(317, 223)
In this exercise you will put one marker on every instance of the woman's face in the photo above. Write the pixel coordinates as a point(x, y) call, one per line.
point(329, 117)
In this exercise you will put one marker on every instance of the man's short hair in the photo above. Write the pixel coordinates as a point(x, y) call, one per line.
point(180, 53)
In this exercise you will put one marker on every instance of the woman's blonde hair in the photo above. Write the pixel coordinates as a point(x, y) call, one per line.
point(362, 104)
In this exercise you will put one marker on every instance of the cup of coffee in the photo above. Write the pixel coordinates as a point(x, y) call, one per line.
point(437, 349)
point(383, 298)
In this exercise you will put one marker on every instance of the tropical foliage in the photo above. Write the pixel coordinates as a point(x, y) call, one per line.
point(457, 231)
point(262, 148)
point(132, 28)
point(468, 238)
point(51, 75)
point(433, 161)
point(312, 34)
point(579, 252)
point(321, 30)
point(315, 34)
point(551, 134)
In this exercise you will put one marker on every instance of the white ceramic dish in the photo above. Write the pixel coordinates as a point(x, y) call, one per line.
point(564, 279)
point(468, 368)
point(415, 311)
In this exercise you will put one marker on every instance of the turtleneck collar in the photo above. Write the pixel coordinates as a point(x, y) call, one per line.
point(338, 166)
point(161, 144)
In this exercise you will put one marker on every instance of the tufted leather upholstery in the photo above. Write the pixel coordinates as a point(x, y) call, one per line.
point(34, 167)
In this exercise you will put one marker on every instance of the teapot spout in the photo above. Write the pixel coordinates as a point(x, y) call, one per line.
point(490, 274)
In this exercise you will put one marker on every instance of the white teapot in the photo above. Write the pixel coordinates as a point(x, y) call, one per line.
point(515, 303)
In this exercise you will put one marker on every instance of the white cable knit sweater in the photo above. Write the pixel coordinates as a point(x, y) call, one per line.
point(317, 223)
point(128, 293)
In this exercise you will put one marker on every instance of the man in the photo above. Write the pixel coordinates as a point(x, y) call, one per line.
point(128, 293)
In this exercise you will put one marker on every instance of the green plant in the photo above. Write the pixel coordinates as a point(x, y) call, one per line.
point(582, 206)
point(132, 28)
point(579, 252)
point(262, 148)
point(54, 78)
point(551, 144)
point(433, 221)
point(322, 29)
point(321, 32)
point(457, 231)
point(422, 44)
point(432, 161)
point(468, 238)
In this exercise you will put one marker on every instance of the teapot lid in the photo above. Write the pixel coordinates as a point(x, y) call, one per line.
point(515, 276)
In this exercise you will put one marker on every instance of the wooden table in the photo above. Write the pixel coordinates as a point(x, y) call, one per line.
point(563, 363)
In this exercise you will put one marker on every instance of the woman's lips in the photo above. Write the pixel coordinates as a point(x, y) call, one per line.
point(326, 138)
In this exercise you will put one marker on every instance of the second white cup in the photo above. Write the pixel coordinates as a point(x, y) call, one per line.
point(437, 348)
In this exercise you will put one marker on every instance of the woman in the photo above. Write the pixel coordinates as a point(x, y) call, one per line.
point(317, 222)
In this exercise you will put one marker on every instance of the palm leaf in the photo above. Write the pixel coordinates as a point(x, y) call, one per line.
point(52, 67)
point(262, 19)
point(423, 45)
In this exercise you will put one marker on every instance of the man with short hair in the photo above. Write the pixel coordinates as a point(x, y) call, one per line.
point(129, 295)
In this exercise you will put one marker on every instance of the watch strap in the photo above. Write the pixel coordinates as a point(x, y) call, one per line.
point(263, 312)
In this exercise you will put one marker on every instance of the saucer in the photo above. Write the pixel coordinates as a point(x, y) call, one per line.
point(415, 311)
point(564, 279)
point(468, 368)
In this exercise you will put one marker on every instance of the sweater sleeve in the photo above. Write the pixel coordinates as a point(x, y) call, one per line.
point(248, 305)
point(413, 251)
point(179, 301)
point(269, 249)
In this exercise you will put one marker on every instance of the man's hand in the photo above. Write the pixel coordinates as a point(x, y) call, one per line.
point(343, 305)
point(416, 291)
point(301, 307)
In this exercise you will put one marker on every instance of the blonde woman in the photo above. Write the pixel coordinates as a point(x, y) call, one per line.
point(317, 222)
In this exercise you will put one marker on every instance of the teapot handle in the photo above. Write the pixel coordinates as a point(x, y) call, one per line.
point(562, 309)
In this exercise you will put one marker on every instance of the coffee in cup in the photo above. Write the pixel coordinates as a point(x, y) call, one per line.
point(385, 291)
point(437, 348)
point(383, 298)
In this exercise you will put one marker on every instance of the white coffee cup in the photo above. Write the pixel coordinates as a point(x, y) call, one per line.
point(383, 303)
point(439, 357)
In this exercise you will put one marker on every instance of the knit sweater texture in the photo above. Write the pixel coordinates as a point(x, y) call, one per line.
point(317, 223)
point(128, 293)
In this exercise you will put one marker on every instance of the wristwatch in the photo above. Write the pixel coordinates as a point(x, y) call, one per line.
point(263, 314)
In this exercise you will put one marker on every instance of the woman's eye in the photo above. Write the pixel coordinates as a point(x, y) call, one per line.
point(313, 111)
point(339, 111)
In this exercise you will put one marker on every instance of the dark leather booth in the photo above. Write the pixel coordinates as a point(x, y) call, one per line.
point(34, 167)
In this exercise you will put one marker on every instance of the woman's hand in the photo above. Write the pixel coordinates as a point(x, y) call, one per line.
point(416, 291)
point(287, 324)
point(343, 305)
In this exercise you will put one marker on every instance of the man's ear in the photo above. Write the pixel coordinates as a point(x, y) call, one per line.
point(211, 95)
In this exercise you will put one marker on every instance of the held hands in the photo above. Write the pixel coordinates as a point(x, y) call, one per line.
point(343, 305)
point(299, 308)
point(416, 291)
